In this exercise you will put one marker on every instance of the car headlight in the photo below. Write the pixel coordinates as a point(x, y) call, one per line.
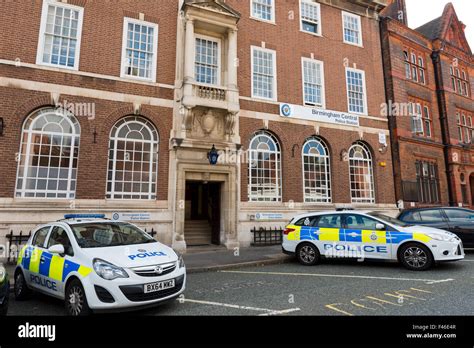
point(441, 237)
point(108, 271)
point(3, 273)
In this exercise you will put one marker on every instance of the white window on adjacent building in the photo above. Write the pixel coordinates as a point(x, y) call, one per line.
point(356, 91)
point(139, 50)
point(264, 182)
point(310, 12)
point(60, 35)
point(313, 82)
point(352, 29)
point(133, 159)
point(264, 82)
point(47, 166)
point(361, 174)
point(416, 118)
point(207, 60)
point(263, 10)
point(316, 172)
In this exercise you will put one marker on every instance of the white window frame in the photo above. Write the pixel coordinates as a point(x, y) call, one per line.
point(360, 44)
point(70, 193)
point(416, 115)
point(323, 90)
point(319, 23)
point(42, 31)
point(278, 171)
point(370, 166)
point(153, 167)
point(126, 22)
point(272, 21)
point(219, 58)
point(328, 197)
point(275, 77)
point(366, 106)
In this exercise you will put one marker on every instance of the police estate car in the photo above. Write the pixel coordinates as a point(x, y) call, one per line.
point(368, 235)
point(97, 264)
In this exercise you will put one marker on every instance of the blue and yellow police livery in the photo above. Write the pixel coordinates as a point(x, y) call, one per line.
point(368, 235)
point(95, 264)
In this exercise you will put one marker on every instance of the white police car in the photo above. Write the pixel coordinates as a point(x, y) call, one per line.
point(97, 264)
point(368, 235)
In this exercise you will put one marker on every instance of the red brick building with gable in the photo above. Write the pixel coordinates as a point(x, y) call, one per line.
point(431, 69)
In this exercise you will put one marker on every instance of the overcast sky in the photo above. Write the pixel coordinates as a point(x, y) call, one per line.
point(423, 11)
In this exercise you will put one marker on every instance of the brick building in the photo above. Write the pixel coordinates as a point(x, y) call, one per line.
point(113, 109)
point(429, 71)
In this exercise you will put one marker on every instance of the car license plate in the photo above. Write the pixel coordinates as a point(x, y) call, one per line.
point(159, 286)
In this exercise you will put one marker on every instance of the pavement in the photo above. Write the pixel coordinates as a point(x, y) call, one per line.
point(203, 259)
point(334, 287)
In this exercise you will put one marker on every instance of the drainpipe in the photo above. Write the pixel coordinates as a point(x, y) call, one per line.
point(443, 117)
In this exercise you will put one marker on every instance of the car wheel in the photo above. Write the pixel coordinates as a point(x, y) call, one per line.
point(75, 299)
point(416, 257)
point(22, 292)
point(308, 254)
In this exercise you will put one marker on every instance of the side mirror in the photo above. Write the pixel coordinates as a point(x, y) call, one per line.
point(380, 227)
point(57, 249)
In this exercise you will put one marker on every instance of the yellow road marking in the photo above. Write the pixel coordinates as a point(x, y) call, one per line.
point(331, 306)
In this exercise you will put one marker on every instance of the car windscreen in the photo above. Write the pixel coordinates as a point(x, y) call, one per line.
point(100, 235)
point(388, 219)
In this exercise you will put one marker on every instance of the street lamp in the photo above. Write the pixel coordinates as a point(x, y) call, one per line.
point(213, 156)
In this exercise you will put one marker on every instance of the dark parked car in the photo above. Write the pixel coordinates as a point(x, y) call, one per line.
point(4, 290)
point(460, 221)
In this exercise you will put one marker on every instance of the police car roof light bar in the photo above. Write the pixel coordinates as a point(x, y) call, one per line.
point(84, 216)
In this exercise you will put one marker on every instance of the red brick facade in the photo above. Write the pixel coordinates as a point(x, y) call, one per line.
point(440, 43)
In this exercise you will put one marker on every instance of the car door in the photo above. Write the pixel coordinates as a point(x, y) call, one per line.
point(361, 234)
point(329, 234)
point(57, 264)
point(33, 265)
point(461, 222)
point(433, 218)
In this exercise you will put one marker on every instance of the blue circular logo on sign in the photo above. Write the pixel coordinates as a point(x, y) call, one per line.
point(258, 216)
point(286, 110)
point(116, 216)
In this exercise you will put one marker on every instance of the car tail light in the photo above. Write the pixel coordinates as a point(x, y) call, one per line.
point(288, 230)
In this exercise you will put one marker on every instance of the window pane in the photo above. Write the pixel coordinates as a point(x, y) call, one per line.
point(264, 169)
point(263, 74)
point(352, 29)
point(355, 89)
point(60, 36)
point(51, 143)
point(139, 51)
point(431, 215)
point(207, 61)
point(361, 175)
point(262, 9)
point(133, 160)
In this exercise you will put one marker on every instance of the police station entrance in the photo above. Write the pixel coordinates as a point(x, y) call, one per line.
point(202, 213)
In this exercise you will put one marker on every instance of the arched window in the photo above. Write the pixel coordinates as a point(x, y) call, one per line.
point(361, 174)
point(264, 168)
point(47, 161)
point(133, 159)
point(316, 172)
